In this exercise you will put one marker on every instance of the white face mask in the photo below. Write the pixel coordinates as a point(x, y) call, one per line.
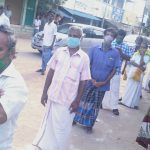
point(108, 39)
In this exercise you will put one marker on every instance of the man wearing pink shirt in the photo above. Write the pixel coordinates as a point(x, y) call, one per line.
point(69, 71)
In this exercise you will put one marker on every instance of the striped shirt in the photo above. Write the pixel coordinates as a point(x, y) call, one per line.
point(125, 50)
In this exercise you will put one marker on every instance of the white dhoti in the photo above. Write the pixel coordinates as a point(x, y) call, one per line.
point(110, 100)
point(133, 90)
point(55, 129)
point(132, 94)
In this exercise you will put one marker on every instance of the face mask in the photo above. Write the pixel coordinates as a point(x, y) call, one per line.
point(73, 42)
point(2, 62)
point(108, 39)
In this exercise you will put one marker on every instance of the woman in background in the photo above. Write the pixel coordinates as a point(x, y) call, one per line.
point(138, 62)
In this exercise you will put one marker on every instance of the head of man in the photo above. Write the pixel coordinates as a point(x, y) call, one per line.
point(74, 37)
point(7, 47)
point(37, 17)
point(109, 35)
point(121, 35)
point(50, 17)
point(138, 42)
point(1, 10)
point(144, 46)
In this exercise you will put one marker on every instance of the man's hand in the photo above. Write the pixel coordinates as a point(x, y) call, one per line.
point(98, 84)
point(142, 68)
point(1, 93)
point(44, 99)
point(74, 106)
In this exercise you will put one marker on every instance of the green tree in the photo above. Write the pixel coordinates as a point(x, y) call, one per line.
point(146, 29)
point(45, 5)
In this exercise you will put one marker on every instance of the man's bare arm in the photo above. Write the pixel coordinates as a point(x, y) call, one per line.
point(46, 86)
point(54, 38)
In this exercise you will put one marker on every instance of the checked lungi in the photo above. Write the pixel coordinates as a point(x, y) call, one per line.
point(89, 106)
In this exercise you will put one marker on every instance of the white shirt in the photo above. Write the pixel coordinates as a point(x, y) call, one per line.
point(4, 20)
point(37, 23)
point(13, 100)
point(49, 31)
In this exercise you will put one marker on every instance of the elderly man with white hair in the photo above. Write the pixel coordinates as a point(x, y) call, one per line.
point(69, 71)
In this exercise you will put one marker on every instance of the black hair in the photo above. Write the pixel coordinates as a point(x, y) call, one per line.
point(122, 33)
point(112, 30)
point(145, 42)
point(139, 39)
point(11, 37)
point(51, 13)
point(1, 7)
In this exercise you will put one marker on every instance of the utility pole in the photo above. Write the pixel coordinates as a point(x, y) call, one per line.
point(103, 19)
point(141, 25)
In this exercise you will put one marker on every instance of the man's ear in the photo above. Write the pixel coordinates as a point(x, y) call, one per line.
point(12, 54)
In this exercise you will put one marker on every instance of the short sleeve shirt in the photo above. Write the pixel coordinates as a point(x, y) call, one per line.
point(125, 49)
point(37, 23)
point(4, 20)
point(102, 64)
point(49, 31)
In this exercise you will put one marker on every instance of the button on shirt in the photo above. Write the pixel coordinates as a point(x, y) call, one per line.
point(125, 50)
point(69, 71)
point(102, 64)
point(4, 20)
point(49, 31)
point(13, 100)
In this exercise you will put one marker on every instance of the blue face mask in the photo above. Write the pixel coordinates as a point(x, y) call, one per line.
point(73, 42)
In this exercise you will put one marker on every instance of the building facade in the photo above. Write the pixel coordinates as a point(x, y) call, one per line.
point(23, 11)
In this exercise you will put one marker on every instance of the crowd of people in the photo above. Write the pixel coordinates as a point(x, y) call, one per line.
point(77, 84)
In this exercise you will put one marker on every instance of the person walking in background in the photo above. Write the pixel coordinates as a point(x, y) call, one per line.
point(49, 36)
point(13, 91)
point(69, 70)
point(139, 62)
point(111, 97)
point(104, 60)
point(36, 25)
point(138, 43)
point(4, 20)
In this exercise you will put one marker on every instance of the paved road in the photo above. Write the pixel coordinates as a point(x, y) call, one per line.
point(111, 133)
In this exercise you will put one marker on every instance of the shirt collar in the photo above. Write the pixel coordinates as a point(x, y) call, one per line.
point(79, 52)
point(50, 23)
point(9, 71)
point(100, 47)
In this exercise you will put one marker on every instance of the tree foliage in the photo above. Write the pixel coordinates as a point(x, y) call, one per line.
point(147, 27)
point(45, 5)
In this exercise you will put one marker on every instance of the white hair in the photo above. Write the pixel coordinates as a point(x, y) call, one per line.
point(76, 28)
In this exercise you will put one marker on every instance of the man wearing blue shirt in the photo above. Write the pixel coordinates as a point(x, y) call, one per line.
point(103, 63)
point(111, 98)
